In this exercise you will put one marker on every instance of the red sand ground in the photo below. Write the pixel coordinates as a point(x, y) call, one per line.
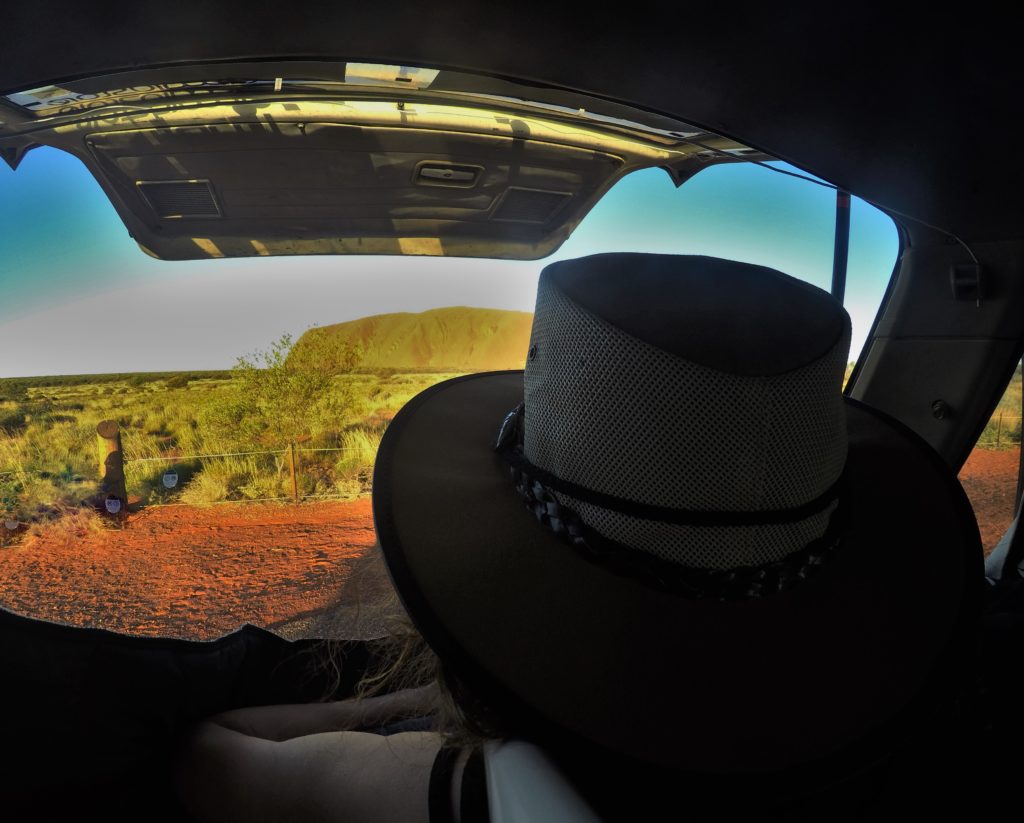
point(305, 570)
point(990, 480)
point(193, 572)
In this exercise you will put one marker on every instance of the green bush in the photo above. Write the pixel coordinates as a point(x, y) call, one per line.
point(13, 420)
point(13, 389)
point(10, 496)
point(277, 400)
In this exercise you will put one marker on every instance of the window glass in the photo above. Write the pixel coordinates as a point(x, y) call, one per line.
point(990, 474)
point(750, 213)
point(236, 390)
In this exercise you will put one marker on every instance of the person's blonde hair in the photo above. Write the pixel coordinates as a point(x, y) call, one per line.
point(402, 659)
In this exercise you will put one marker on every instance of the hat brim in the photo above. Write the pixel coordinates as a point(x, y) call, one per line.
point(541, 633)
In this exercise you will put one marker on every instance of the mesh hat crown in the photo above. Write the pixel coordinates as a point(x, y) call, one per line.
point(689, 383)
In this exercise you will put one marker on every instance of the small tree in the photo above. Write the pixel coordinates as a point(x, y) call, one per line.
point(10, 497)
point(277, 397)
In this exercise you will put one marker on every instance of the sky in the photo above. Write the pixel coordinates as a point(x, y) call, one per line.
point(77, 295)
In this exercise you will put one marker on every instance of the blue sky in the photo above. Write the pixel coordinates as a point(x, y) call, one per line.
point(78, 296)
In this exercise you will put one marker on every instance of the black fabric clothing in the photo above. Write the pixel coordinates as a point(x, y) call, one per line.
point(439, 796)
point(472, 791)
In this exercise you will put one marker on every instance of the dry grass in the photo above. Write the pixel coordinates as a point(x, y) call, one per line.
point(69, 525)
point(48, 450)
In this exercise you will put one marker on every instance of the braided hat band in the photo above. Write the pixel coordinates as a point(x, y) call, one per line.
point(537, 488)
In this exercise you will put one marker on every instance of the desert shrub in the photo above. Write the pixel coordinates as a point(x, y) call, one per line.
point(155, 423)
point(353, 470)
point(179, 381)
point(188, 438)
point(68, 446)
point(44, 497)
point(262, 487)
point(10, 496)
point(347, 488)
point(13, 389)
point(66, 525)
point(145, 479)
point(13, 420)
point(206, 488)
point(380, 418)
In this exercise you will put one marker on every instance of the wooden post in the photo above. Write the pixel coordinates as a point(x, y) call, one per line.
point(291, 467)
point(108, 434)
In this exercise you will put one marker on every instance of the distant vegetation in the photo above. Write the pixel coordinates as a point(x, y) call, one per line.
point(334, 389)
point(48, 446)
point(1004, 429)
point(330, 394)
point(15, 388)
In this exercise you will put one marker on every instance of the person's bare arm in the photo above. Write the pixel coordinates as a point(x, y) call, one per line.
point(284, 722)
point(224, 775)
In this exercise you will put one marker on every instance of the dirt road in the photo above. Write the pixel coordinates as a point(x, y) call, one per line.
point(310, 570)
point(201, 573)
point(990, 480)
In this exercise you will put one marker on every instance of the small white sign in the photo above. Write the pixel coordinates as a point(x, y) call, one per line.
point(170, 479)
point(113, 505)
point(11, 524)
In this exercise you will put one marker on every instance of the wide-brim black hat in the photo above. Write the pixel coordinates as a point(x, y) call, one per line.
point(751, 668)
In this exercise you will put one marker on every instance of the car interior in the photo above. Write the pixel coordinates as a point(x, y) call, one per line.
point(490, 132)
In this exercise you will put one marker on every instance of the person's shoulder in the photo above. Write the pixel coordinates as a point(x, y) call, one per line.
point(345, 775)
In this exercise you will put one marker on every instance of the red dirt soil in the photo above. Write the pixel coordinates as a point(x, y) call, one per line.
point(198, 573)
point(302, 570)
point(990, 480)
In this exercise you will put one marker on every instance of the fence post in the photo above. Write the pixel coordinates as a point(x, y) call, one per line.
point(999, 428)
point(111, 456)
point(291, 466)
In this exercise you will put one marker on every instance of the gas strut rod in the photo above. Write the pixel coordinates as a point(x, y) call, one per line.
point(841, 249)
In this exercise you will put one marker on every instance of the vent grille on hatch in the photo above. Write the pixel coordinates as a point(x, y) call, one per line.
point(180, 198)
point(530, 205)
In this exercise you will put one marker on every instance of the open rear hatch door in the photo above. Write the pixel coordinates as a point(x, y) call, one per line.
point(387, 160)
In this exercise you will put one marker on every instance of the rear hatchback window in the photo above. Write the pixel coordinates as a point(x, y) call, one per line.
point(244, 399)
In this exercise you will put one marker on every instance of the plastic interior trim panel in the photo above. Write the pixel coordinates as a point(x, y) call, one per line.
point(341, 177)
point(525, 786)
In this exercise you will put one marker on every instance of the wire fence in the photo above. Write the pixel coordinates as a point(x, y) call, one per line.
point(184, 457)
point(294, 473)
point(294, 469)
point(1003, 431)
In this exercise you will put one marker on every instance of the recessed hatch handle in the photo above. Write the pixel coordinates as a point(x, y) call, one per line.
point(447, 173)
